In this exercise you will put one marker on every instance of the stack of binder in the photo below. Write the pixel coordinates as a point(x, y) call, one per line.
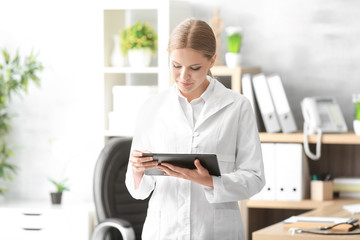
point(270, 104)
point(347, 187)
point(286, 172)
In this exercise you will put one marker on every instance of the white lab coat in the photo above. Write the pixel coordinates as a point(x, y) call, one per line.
point(180, 209)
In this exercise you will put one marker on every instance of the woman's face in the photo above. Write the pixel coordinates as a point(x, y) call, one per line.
point(189, 69)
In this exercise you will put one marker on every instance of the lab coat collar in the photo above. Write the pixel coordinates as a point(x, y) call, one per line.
point(219, 99)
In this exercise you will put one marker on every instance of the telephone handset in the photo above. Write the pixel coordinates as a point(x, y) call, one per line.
point(321, 114)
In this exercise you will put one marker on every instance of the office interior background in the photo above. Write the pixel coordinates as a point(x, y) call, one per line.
point(313, 45)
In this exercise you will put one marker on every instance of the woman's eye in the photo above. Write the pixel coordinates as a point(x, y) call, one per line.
point(176, 66)
point(195, 68)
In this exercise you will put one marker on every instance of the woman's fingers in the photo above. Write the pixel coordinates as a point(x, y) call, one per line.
point(141, 159)
point(199, 175)
point(200, 168)
point(141, 163)
point(172, 170)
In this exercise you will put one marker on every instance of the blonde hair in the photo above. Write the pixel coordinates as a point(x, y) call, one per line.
point(194, 34)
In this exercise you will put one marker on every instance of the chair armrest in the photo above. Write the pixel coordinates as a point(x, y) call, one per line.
point(122, 225)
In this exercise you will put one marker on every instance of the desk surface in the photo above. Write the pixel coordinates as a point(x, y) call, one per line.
point(276, 231)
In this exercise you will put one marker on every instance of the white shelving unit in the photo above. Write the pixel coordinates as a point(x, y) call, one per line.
point(42, 221)
point(163, 16)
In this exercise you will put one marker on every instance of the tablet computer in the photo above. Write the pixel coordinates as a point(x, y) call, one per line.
point(208, 161)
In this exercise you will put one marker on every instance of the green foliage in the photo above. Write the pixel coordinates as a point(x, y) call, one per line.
point(15, 76)
point(357, 111)
point(61, 185)
point(139, 35)
point(234, 43)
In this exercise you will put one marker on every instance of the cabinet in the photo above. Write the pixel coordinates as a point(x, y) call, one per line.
point(163, 16)
point(340, 157)
point(42, 221)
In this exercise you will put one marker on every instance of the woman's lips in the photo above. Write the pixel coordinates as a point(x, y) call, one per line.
point(185, 84)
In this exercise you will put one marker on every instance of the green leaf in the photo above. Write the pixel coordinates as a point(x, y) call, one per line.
point(6, 56)
point(2, 172)
point(16, 59)
point(61, 185)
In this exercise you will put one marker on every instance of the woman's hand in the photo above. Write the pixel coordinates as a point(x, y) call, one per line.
point(199, 175)
point(140, 164)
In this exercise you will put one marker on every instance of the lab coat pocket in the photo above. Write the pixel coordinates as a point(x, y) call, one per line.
point(226, 163)
point(226, 224)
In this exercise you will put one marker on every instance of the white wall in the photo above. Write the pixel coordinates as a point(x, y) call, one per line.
point(313, 44)
point(68, 105)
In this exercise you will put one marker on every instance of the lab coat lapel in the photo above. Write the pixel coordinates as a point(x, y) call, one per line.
point(176, 112)
point(219, 99)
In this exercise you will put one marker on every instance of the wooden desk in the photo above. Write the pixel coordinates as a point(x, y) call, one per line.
point(276, 231)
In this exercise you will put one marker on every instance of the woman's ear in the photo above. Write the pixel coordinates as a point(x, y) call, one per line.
point(212, 60)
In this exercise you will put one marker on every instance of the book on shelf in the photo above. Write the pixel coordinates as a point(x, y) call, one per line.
point(349, 195)
point(347, 180)
point(347, 187)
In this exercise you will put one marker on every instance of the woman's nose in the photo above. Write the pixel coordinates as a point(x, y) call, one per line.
point(184, 74)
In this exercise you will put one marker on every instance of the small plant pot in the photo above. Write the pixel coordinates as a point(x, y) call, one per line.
point(139, 57)
point(56, 197)
point(357, 127)
point(232, 59)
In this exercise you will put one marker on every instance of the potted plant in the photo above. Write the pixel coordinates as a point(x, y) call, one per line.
point(60, 188)
point(234, 41)
point(356, 100)
point(15, 75)
point(138, 42)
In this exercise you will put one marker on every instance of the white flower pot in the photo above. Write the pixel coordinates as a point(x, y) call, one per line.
point(233, 59)
point(139, 57)
point(357, 127)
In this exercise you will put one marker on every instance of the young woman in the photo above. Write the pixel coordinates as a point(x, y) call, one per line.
point(197, 115)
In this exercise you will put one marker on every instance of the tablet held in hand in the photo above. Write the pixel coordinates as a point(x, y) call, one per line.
point(184, 160)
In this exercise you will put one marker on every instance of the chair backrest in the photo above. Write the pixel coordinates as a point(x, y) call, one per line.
point(112, 199)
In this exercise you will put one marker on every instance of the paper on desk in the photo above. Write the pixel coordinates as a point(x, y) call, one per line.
point(352, 208)
point(295, 219)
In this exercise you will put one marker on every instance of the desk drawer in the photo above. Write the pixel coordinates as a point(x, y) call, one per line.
point(44, 222)
point(32, 225)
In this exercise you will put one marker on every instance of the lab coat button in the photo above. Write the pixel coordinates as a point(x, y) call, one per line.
point(196, 134)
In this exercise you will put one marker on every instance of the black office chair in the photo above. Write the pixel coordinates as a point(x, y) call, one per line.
point(119, 215)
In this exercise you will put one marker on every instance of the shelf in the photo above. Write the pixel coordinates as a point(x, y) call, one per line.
point(131, 5)
point(348, 138)
point(235, 74)
point(163, 16)
point(304, 204)
point(131, 70)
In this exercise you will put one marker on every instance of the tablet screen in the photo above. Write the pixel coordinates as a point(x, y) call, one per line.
point(208, 161)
